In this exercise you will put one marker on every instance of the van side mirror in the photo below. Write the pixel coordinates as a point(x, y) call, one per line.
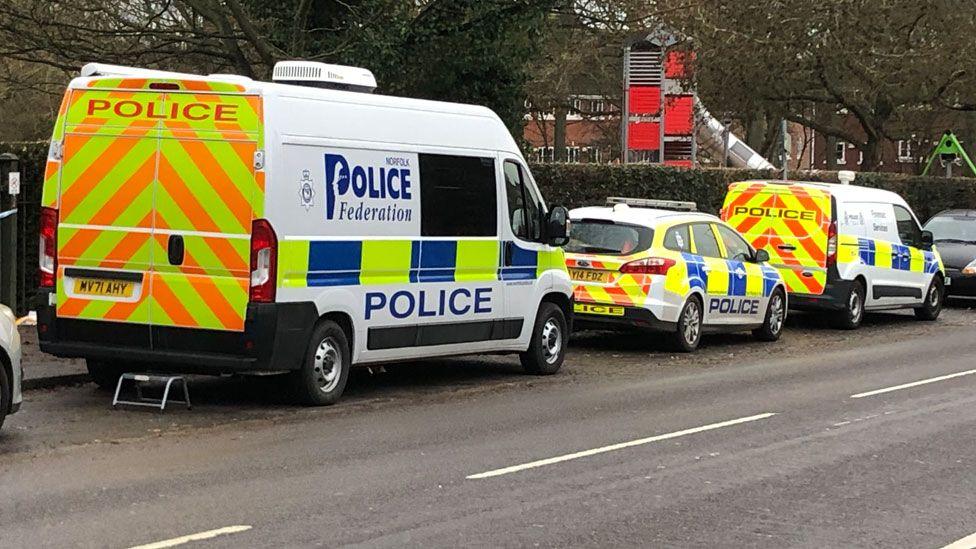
point(927, 240)
point(762, 256)
point(557, 226)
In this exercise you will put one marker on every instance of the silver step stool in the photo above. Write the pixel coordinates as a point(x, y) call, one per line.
point(138, 380)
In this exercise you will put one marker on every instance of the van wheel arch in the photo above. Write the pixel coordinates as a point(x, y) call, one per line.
point(8, 370)
point(345, 322)
point(564, 303)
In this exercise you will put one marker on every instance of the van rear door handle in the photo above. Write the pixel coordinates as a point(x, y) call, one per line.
point(175, 249)
point(788, 247)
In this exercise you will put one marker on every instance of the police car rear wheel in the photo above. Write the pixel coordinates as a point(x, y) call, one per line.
point(687, 334)
point(322, 377)
point(933, 301)
point(547, 349)
point(772, 326)
point(104, 373)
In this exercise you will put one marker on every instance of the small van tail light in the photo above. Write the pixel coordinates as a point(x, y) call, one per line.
point(832, 244)
point(264, 261)
point(48, 247)
point(648, 266)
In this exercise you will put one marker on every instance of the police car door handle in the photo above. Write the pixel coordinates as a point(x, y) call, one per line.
point(175, 249)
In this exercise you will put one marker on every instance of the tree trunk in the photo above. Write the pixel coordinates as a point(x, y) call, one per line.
point(559, 134)
point(870, 152)
point(830, 153)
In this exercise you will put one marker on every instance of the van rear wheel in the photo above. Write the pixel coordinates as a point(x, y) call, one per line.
point(324, 372)
point(934, 299)
point(104, 373)
point(547, 348)
point(853, 313)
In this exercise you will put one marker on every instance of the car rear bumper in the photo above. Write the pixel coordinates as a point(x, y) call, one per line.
point(274, 339)
point(961, 285)
point(617, 316)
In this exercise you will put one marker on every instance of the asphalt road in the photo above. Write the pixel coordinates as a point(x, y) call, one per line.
point(743, 444)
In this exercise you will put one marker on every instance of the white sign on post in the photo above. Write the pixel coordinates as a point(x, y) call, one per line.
point(14, 181)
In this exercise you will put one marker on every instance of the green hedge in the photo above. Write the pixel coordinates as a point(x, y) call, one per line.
point(575, 185)
point(570, 185)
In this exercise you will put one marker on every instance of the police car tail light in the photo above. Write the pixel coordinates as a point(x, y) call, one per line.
point(48, 242)
point(832, 244)
point(648, 266)
point(264, 261)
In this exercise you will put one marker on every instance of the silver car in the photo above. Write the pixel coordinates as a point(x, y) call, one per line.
point(10, 368)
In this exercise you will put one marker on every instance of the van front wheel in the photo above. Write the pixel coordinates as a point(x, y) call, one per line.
point(934, 298)
point(547, 348)
point(324, 372)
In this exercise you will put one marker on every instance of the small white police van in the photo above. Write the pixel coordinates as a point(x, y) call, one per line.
point(380, 229)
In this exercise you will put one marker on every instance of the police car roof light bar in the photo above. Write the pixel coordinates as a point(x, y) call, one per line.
point(675, 205)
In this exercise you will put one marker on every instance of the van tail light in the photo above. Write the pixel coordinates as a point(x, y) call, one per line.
point(648, 266)
point(264, 262)
point(48, 247)
point(832, 244)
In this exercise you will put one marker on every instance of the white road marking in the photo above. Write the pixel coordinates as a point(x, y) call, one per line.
point(913, 384)
point(968, 542)
point(209, 534)
point(618, 446)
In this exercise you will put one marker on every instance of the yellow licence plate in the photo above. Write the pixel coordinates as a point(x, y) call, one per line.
point(104, 288)
point(585, 275)
point(594, 309)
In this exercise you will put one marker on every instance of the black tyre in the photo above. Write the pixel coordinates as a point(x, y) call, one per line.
point(853, 313)
point(324, 372)
point(772, 326)
point(547, 349)
point(104, 373)
point(6, 395)
point(934, 300)
point(688, 331)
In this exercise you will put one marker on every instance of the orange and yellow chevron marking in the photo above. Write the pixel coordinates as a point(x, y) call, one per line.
point(138, 160)
point(105, 309)
point(790, 222)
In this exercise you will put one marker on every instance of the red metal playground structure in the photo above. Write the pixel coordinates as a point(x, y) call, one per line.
point(664, 122)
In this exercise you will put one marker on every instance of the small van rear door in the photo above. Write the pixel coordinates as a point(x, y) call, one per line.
point(791, 222)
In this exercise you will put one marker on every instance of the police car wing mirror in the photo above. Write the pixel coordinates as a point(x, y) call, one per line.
point(927, 239)
point(762, 256)
point(557, 226)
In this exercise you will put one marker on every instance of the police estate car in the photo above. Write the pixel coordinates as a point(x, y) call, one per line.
point(667, 267)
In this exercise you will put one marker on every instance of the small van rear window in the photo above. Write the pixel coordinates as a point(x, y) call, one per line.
point(457, 196)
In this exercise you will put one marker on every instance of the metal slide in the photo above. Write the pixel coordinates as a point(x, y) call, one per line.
point(712, 138)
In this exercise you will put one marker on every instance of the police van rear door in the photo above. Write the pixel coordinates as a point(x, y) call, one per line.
point(789, 221)
point(156, 195)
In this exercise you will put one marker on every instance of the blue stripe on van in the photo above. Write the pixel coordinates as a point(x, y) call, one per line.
point(438, 259)
point(334, 263)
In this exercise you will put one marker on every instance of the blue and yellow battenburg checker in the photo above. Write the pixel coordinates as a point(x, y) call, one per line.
point(304, 263)
point(879, 253)
point(743, 279)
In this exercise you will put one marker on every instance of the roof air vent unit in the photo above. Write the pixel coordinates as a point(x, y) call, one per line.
point(322, 75)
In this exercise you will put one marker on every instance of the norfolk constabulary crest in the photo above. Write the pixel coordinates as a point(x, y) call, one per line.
point(305, 191)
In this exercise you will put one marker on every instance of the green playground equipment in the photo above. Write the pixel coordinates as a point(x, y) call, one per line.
point(949, 151)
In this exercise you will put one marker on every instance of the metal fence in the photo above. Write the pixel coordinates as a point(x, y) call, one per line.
point(18, 228)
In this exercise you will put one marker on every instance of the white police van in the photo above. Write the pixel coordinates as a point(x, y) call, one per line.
point(379, 228)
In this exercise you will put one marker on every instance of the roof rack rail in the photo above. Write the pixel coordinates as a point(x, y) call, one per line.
point(675, 205)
